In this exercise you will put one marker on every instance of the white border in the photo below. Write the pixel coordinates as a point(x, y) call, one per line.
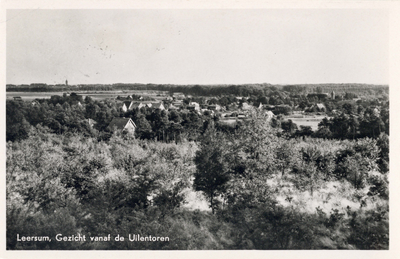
point(394, 72)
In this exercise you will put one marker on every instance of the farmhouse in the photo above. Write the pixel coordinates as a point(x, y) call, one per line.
point(35, 103)
point(320, 107)
point(246, 106)
point(135, 105)
point(178, 104)
point(214, 107)
point(178, 96)
point(157, 106)
point(172, 107)
point(124, 124)
point(124, 107)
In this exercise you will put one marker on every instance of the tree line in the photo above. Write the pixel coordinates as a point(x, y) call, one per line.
point(262, 89)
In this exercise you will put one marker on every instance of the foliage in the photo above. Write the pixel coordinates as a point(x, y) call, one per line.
point(265, 191)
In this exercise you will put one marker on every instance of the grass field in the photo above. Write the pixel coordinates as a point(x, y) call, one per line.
point(311, 121)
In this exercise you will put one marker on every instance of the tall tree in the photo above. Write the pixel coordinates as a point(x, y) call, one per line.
point(212, 166)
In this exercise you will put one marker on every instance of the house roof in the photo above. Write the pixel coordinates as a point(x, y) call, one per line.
point(320, 105)
point(137, 105)
point(177, 103)
point(172, 107)
point(156, 105)
point(120, 123)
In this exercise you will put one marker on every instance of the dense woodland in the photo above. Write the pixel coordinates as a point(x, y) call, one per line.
point(268, 183)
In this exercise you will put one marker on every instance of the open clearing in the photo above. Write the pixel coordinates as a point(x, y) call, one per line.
point(311, 121)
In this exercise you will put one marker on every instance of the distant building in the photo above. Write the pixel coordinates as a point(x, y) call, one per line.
point(124, 108)
point(17, 98)
point(134, 105)
point(123, 124)
point(320, 107)
point(35, 103)
point(157, 106)
point(178, 96)
point(66, 82)
point(333, 95)
point(172, 107)
point(246, 106)
point(193, 106)
point(214, 107)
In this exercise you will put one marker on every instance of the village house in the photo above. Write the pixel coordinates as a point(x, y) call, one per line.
point(178, 104)
point(246, 106)
point(320, 107)
point(172, 107)
point(158, 106)
point(214, 107)
point(193, 106)
point(124, 108)
point(35, 103)
point(137, 105)
point(178, 96)
point(123, 124)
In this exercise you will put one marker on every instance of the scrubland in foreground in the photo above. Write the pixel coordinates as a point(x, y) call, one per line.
point(264, 191)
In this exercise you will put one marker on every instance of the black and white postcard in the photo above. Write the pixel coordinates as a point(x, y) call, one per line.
point(238, 129)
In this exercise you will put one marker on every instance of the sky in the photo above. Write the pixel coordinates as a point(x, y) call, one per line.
point(197, 46)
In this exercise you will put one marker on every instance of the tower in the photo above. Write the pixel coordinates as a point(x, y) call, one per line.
point(66, 82)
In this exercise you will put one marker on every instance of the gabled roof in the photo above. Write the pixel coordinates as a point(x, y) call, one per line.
point(156, 105)
point(177, 103)
point(135, 105)
point(321, 106)
point(127, 103)
point(120, 123)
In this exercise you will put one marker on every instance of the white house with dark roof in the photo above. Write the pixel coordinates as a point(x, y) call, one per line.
point(157, 106)
point(138, 105)
point(321, 107)
point(123, 124)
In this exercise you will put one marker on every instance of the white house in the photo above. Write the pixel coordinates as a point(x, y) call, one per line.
point(124, 124)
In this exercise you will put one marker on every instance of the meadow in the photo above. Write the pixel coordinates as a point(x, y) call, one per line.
point(304, 120)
